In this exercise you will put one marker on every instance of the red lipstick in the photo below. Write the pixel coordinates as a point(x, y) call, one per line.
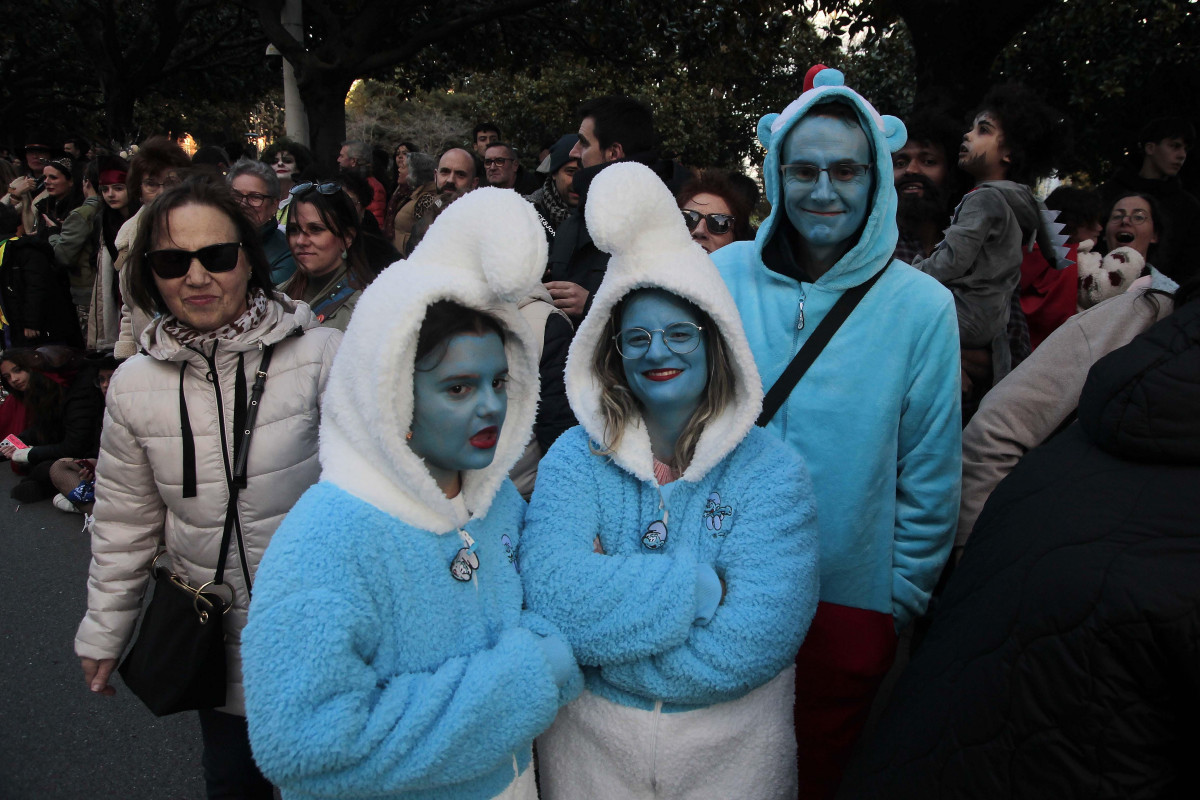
point(486, 438)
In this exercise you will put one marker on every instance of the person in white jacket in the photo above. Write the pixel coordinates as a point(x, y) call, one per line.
point(169, 440)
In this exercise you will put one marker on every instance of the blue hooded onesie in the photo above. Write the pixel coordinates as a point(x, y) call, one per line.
point(371, 670)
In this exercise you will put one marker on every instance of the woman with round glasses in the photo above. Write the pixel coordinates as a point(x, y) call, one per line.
point(1134, 222)
point(715, 211)
point(323, 230)
point(174, 433)
point(670, 539)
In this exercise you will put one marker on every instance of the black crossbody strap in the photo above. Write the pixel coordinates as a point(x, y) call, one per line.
point(239, 467)
point(778, 394)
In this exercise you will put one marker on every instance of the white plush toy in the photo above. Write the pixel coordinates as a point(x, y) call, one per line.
point(1102, 278)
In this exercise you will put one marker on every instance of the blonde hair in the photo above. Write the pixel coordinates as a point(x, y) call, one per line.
point(618, 404)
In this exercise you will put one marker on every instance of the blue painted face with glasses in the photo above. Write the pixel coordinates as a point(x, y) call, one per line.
point(665, 359)
point(826, 166)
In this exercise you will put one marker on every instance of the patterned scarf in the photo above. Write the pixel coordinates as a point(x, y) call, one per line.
point(550, 203)
point(251, 318)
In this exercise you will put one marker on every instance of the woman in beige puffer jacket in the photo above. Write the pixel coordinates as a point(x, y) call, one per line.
point(161, 476)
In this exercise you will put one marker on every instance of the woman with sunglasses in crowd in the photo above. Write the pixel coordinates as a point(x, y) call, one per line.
point(715, 211)
point(157, 165)
point(173, 440)
point(332, 269)
point(670, 539)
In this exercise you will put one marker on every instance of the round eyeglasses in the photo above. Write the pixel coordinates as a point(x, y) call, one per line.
point(1138, 217)
point(810, 173)
point(680, 338)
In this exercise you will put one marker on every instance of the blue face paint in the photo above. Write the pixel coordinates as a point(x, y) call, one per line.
point(827, 212)
point(459, 404)
point(669, 385)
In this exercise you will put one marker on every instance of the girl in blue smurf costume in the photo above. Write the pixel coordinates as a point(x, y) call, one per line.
point(672, 541)
point(387, 653)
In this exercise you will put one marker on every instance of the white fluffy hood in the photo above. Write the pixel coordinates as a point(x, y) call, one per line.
point(485, 251)
point(632, 215)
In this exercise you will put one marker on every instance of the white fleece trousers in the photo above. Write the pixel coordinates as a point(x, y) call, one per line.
point(523, 786)
point(744, 749)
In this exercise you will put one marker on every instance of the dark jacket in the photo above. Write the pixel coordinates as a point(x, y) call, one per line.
point(1065, 659)
point(35, 294)
point(573, 256)
point(76, 433)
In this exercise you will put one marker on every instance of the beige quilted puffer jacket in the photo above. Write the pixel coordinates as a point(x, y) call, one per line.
point(140, 501)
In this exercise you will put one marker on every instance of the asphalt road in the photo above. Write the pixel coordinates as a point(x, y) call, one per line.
point(57, 739)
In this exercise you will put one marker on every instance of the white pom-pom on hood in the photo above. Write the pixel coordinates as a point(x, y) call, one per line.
point(631, 214)
point(485, 251)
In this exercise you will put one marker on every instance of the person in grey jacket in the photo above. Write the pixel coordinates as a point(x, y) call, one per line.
point(168, 446)
point(1010, 145)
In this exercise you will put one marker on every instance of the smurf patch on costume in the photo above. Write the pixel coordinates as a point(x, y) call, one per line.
point(655, 536)
point(715, 513)
point(511, 552)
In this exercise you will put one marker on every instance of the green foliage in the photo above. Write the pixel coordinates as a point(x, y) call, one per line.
point(708, 72)
point(1110, 65)
point(123, 68)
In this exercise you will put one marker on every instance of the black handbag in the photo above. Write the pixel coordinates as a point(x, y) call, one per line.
point(177, 662)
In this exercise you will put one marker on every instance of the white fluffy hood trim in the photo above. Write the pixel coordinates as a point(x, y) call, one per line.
point(631, 214)
point(486, 251)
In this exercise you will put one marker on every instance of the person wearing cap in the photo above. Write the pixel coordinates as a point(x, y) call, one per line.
point(671, 540)
point(557, 196)
point(877, 414)
point(419, 675)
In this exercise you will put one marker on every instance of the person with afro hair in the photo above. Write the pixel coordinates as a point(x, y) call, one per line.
point(1014, 140)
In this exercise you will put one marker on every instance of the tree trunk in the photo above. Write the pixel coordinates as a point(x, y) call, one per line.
point(324, 98)
point(958, 41)
point(119, 99)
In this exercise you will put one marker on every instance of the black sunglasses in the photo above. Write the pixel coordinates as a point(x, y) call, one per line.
point(171, 264)
point(322, 188)
point(717, 224)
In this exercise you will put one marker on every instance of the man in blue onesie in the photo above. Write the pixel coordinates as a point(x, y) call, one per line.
point(876, 417)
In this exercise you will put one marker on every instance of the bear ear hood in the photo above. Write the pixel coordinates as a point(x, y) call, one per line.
point(632, 216)
point(486, 251)
point(885, 135)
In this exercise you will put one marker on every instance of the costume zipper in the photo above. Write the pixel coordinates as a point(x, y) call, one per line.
point(212, 368)
point(799, 326)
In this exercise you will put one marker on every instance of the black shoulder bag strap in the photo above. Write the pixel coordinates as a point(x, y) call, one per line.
point(238, 479)
point(778, 394)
